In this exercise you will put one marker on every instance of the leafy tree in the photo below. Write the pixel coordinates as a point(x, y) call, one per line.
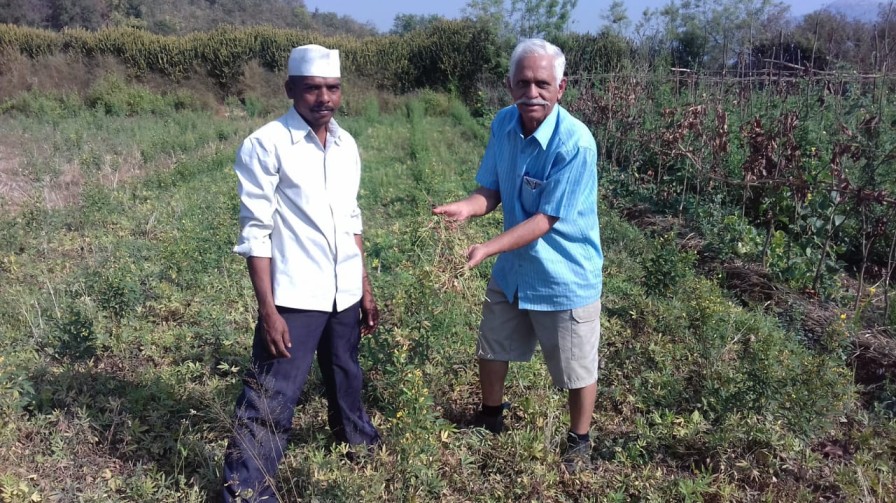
point(885, 45)
point(523, 18)
point(587, 53)
point(491, 13)
point(649, 37)
point(330, 23)
point(25, 12)
point(786, 53)
point(842, 41)
point(406, 23)
point(616, 19)
point(689, 47)
point(177, 17)
point(55, 14)
point(541, 18)
point(712, 33)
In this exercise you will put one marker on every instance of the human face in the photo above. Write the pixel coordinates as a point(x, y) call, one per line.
point(535, 90)
point(315, 99)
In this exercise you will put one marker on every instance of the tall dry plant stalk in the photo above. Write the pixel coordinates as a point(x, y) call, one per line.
point(672, 135)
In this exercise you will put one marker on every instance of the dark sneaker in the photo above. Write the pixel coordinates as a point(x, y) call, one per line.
point(577, 455)
point(494, 424)
point(359, 453)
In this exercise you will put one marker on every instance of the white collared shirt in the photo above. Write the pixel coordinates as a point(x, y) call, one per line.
point(299, 207)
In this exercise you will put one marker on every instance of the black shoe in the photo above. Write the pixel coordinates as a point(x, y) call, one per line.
point(494, 424)
point(358, 454)
point(577, 455)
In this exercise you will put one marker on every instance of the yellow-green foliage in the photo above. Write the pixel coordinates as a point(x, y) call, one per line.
point(79, 41)
point(447, 55)
point(225, 52)
point(454, 56)
point(588, 54)
point(451, 51)
point(31, 42)
point(142, 52)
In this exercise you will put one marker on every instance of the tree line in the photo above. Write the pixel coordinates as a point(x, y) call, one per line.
point(177, 17)
point(703, 35)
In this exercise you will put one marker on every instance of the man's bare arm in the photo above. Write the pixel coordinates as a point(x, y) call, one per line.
point(275, 329)
point(517, 236)
point(481, 202)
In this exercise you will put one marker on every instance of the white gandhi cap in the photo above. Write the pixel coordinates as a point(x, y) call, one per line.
point(314, 61)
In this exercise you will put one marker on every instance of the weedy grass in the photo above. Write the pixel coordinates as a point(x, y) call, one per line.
point(58, 145)
point(126, 325)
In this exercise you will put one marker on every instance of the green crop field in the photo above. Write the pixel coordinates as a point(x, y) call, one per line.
point(747, 348)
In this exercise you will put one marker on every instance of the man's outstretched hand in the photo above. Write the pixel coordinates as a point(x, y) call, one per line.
point(453, 212)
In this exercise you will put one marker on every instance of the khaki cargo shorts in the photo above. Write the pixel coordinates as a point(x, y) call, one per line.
point(569, 339)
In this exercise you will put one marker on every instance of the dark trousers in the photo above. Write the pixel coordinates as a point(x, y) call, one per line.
point(272, 388)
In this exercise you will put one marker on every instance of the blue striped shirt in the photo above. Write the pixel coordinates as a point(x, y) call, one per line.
point(553, 172)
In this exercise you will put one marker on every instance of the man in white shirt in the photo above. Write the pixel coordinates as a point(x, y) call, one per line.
point(301, 236)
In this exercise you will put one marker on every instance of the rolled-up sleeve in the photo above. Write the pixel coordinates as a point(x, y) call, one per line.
point(355, 222)
point(257, 175)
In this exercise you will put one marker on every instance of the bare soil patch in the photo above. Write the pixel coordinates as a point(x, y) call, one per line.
point(15, 188)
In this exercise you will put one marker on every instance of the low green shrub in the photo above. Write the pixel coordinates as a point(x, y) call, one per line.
point(666, 267)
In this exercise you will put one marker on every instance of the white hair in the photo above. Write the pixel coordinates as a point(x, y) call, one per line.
point(538, 47)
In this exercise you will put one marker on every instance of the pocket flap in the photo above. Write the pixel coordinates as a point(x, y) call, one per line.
point(587, 313)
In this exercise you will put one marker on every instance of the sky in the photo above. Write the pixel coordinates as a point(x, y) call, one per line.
point(586, 17)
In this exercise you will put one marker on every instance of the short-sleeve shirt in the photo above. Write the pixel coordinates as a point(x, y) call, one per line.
point(554, 172)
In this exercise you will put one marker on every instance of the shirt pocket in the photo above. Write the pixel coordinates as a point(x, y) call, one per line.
point(530, 194)
point(586, 314)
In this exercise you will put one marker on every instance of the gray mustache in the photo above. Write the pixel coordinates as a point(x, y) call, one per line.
point(532, 101)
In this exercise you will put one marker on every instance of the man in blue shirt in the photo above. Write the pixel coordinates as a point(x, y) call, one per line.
point(541, 166)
